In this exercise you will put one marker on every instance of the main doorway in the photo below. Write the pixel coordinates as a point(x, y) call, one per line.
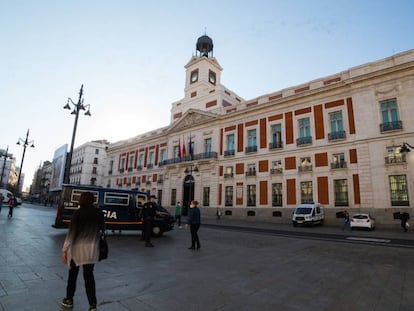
point(188, 193)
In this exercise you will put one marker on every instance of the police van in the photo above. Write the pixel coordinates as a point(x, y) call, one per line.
point(121, 208)
point(308, 214)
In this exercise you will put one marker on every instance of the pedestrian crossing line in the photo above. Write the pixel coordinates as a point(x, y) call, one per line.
point(368, 239)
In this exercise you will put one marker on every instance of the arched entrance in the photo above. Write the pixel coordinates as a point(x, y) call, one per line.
point(188, 193)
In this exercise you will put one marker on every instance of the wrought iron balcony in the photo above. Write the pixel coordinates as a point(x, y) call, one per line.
point(304, 141)
point(229, 153)
point(275, 145)
point(340, 164)
point(276, 171)
point(251, 173)
point(139, 167)
point(228, 175)
point(305, 168)
point(121, 170)
point(130, 169)
point(396, 159)
point(250, 149)
point(391, 126)
point(150, 165)
point(189, 158)
point(336, 135)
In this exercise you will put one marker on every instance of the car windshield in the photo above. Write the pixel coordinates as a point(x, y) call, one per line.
point(303, 210)
point(360, 216)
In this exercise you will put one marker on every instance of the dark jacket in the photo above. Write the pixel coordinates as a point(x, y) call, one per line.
point(194, 216)
point(149, 210)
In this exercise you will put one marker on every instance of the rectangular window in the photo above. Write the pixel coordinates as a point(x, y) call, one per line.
point(276, 140)
point(76, 194)
point(251, 195)
point(251, 138)
point(95, 160)
point(277, 194)
point(228, 196)
point(338, 161)
point(123, 162)
point(276, 167)
point(230, 143)
point(394, 155)
point(94, 170)
point(304, 128)
point(206, 196)
point(305, 164)
point(96, 151)
point(207, 145)
point(228, 172)
point(112, 198)
point(335, 119)
point(390, 116)
point(175, 152)
point(399, 190)
point(163, 155)
point(131, 162)
point(173, 201)
point(306, 192)
point(141, 160)
point(341, 192)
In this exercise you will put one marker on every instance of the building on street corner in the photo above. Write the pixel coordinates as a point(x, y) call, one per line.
point(335, 140)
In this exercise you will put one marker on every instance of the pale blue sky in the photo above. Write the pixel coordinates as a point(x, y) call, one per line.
point(130, 56)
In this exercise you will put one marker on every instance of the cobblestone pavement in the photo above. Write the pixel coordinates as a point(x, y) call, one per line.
point(241, 266)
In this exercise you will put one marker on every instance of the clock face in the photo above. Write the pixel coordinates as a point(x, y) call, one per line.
point(194, 76)
point(212, 77)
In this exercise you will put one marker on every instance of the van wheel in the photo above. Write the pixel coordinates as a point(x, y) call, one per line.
point(156, 230)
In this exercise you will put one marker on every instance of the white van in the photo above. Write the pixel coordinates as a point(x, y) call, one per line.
point(6, 195)
point(308, 214)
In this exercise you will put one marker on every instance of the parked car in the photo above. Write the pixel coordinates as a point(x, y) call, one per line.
point(19, 201)
point(362, 221)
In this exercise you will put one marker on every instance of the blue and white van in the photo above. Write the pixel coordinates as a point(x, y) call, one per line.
point(121, 208)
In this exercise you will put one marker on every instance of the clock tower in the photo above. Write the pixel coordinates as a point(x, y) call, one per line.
point(203, 90)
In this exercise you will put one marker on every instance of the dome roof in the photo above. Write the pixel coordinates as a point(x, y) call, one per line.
point(204, 45)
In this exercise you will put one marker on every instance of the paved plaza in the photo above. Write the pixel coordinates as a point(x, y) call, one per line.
point(241, 266)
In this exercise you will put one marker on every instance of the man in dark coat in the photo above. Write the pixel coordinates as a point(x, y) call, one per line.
point(148, 213)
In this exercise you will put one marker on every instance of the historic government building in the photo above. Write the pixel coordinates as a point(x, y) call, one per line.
point(335, 140)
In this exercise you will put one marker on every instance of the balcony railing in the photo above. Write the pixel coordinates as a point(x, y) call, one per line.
point(188, 158)
point(275, 145)
point(139, 167)
point(276, 171)
point(121, 170)
point(160, 181)
point(148, 182)
point(304, 141)
point(391, 126)
point(150, 165)
point(229, 153)
point(250, 149)
point(336, 135)
point(251, 173)
point(110, 172)
point(228, 175)
point(130, 169)
point(340, 164)
point(396, 159)
point(305, 168)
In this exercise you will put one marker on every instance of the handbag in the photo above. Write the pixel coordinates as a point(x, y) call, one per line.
point(103, 246)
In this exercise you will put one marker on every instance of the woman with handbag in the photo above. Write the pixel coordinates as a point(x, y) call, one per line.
point(81, 248)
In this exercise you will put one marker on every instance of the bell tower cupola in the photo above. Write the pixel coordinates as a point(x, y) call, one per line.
point(205, 46)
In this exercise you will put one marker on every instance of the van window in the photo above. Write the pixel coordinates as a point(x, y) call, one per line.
point(77, 193)
point(318, 209)
point(303, 210)
point(140, 200)
point(113, 198)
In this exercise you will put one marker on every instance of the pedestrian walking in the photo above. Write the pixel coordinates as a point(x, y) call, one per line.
point(194, 222)
point(346, 220)
point(1, 201)
point(12, 203)
point(81, 248)
point(219, 213)
point(178, 211)
point(148, 213)
point(404, 220)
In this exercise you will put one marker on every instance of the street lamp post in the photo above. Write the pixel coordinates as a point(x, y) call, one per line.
point(5, 155)
point(77, 108)
point(24, 143)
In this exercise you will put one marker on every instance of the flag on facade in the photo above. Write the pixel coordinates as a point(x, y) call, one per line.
point(179, 148)
point(190, 148)
point(184, 151)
